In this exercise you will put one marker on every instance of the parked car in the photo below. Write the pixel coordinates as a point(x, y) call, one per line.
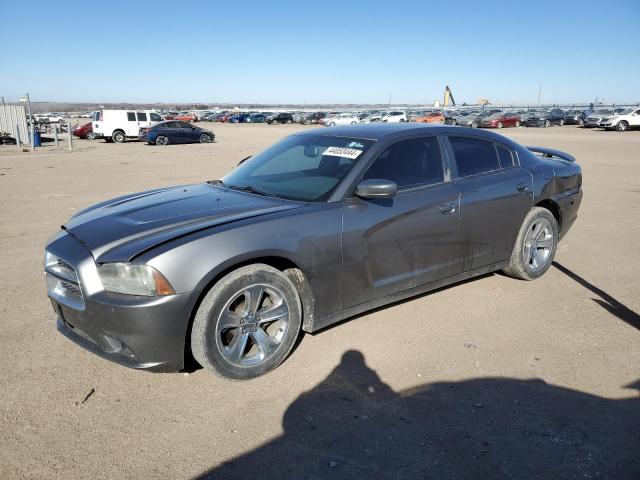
point(500, 120)
point(394, 117)
point(313, 118)
point(314, 230)
point(431, 117)
point(341, 119)
point(450, 117)
point(575, 117)
point(372, 118)
point(545, 118)
point(187, 117)
point(257, 118)
point(84, 131)
point(473, 118)
point(118, 125)
point(594, 119)
point(622, 121)
point(280, 118)
point(238, 118)
point(175, 131)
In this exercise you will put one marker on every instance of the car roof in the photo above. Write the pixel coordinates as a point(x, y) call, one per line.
point(389, 131)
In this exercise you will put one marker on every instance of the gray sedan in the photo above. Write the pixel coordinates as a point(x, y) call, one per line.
point(319, 227)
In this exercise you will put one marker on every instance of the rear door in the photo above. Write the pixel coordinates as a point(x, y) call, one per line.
point(394, 244)
point(495, 196)
point(131, 128)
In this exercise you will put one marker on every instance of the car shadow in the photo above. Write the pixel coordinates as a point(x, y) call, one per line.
point(606, 301)
point(354, 426)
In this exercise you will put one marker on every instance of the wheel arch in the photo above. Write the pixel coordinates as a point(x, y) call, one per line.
point(280, 262)
point(554, 208)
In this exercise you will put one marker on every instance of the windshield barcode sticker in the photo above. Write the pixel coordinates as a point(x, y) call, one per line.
point(351, 153)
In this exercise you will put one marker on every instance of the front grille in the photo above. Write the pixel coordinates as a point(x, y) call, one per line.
point(63, 283)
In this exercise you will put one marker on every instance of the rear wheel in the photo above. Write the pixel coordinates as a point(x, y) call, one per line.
point(517, 124)
point(561, 122)
point(248, 323)
point(500, 125)
point(622, 126)
point(118, 136)
point(547, 123)
point(90, 136)
point(204, 138)
point(535, 246)
point(162, 140)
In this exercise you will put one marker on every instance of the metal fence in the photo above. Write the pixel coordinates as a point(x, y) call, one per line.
point(13, 120)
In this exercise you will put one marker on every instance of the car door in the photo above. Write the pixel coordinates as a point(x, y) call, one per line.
point(634, 119)
point(495, 196)
point(131, 128)
point(397, 243)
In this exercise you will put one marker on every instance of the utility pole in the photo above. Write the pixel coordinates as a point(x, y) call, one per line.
point(539, 93)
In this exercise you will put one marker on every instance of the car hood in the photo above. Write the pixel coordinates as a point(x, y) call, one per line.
point(120, 229)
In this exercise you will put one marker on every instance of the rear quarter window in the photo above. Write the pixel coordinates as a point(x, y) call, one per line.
point(474, 156)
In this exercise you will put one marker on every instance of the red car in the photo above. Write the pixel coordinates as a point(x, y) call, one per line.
point(188, 117)
point(501, 119)
point(84, 131)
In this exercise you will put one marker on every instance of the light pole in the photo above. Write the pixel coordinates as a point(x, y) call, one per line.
point(32, 135)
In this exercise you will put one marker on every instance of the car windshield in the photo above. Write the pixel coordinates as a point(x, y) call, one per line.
point(300, 167)
point(626, 112)
point(494, 115)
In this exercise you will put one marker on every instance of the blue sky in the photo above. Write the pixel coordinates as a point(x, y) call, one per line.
point(321, 52)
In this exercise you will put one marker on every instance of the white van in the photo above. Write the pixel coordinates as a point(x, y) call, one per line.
point(118, 125)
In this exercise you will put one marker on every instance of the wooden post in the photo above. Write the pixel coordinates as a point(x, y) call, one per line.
point(55, 134)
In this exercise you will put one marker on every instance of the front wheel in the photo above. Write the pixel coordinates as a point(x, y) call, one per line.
point(547, 123)
point(248, 323)
point(622, 126)
point(561, 122)
point(204, 138)
point(90, 136)
point(500, 125)
point(535, 246)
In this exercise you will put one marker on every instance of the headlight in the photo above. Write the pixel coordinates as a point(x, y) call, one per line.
point(134, 280)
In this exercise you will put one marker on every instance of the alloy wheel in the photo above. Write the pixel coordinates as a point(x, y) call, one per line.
point(252, 325)
point(538, 244)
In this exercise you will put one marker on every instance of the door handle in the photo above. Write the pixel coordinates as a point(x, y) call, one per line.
point(447, 208)
point(522, 187)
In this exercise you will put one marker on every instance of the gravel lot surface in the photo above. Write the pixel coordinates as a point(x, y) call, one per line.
point(490, 378)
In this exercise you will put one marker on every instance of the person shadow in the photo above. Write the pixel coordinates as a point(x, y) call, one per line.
point(354, 426)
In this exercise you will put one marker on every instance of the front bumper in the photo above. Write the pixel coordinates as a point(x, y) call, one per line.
point(136, 331)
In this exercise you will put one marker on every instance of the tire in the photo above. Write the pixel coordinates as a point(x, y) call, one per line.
point(118, 136)
point(474, 125)
point(561, 122)
point(90, 136)
point(289, 122)
point(353, 123)
point(581, 122)
point(547, 123)
point(535, 246)
point(517, 124)
point(500, 125)
point(622, 126)
point(161, 140)
point(332, 124)
point(204, 138)
point(248, 347)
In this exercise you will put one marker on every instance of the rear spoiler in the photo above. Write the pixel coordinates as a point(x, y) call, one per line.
point(551, 153)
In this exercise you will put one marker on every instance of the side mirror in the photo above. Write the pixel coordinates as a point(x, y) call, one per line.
point(376, 188)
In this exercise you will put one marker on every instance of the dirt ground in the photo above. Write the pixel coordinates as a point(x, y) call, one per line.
point(490, 378)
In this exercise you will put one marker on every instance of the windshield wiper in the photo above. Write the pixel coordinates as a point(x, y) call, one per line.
point(250, 189)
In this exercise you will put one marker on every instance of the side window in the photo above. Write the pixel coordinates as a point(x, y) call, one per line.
point(142, 116)
point(410, 163)
point(154, 117)
point(131, 116)
point(474, 156)
point(505, 156)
